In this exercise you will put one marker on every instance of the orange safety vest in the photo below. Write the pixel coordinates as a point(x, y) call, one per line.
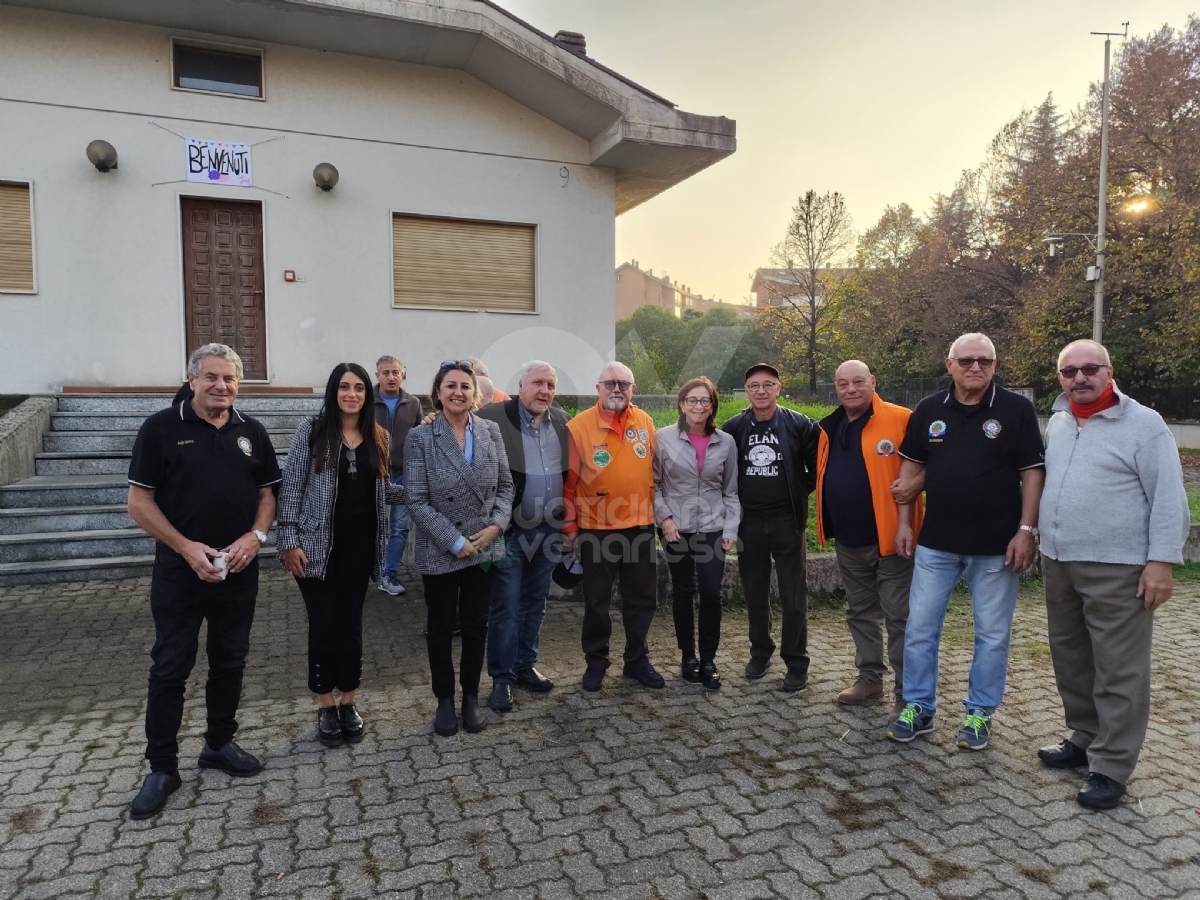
point(610, 479)
point(881, 438)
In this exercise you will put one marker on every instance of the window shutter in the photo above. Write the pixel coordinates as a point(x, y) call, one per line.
point(461, 264)
point(16, 238)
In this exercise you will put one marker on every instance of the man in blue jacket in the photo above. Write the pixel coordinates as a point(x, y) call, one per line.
point(777, 470)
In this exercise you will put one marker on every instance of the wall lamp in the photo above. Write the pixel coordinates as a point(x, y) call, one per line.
point(102, 155)
point(326, 176)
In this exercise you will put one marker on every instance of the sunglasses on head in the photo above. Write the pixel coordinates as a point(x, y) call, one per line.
point(463, 364)
point(1089, 370)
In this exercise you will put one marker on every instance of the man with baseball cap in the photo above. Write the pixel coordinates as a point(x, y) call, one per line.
point(777, 450)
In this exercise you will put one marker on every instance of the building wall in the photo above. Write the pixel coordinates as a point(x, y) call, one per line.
point(637, 289)
point(109, 307)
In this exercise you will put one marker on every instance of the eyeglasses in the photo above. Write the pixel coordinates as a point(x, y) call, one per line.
point(611, 384)
point(464, 364)
point(755, 386)
point(697, 401)
point(969, 362)
point(1069, 372)
point(353, 473)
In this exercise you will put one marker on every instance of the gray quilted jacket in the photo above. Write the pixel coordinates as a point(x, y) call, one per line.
point(448, 498)
point(306, 502)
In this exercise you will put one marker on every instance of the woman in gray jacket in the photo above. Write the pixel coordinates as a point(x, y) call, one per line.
point(459, 493)
point(696, 505)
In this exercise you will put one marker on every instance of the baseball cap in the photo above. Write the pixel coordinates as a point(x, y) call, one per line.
point(763, 367)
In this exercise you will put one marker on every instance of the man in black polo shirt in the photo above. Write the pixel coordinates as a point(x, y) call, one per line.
point(200, 484)
point(980, 449)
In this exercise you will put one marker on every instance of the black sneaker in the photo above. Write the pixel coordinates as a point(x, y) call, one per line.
point(795, 682)
point(1100, 792)
point(757, 668)
point(645, 675)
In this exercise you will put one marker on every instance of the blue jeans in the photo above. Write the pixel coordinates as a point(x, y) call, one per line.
point(397, 535)
point(993, 587)
point(520, 583)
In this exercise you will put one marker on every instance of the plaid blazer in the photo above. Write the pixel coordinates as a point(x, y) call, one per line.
point(306, 502)
point(447, 498)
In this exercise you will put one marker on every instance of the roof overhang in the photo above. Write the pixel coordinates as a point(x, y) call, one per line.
point(650, 145)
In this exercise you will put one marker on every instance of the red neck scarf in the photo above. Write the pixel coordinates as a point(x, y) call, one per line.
point(1086, 410)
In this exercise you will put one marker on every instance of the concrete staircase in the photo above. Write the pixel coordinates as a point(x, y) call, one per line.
point(68, 522)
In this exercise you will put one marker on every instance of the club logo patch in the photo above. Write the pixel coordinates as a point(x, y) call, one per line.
point(630, 435)
point(601, 458)
point(244, 445)
point(991, 428)
point(937, 429)
point(640, 450)
point(885, 448)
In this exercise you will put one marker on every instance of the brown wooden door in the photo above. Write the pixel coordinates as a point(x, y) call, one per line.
point(223, 279)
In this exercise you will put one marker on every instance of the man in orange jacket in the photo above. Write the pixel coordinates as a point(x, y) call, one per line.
point(608, 508)
point(856, 465)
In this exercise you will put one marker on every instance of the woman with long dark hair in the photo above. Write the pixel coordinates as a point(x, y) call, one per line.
point(696, 504)
point(459, 494)
point(332, 537)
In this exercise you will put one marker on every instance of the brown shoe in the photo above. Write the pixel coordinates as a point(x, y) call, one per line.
point(862, 691)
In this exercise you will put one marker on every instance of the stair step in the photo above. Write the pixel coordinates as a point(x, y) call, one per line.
point(106, 568)
point(49, 491)
point(149, 403)
point(64, 518)
point(52, 545)
point(94, 463)
point(122, 441)
point(274, 420)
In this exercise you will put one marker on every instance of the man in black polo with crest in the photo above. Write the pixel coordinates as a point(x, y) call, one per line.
point(201, 484)
point(980, 451)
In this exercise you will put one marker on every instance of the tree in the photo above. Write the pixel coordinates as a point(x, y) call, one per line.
point(805, 297)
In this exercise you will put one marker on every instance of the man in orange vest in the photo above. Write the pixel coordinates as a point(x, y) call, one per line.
point(856, 466)
point(608, 500)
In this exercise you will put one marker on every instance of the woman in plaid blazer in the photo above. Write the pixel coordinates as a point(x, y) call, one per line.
point(459, 492)
point(333, 534)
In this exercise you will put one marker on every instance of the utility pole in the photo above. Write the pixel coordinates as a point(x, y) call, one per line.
point(1102, 214)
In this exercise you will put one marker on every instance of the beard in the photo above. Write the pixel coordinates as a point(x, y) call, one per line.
point(615, 402)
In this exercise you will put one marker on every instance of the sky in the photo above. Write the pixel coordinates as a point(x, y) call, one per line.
point(885, 102)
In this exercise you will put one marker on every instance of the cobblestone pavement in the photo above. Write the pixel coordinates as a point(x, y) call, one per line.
point(627, 793)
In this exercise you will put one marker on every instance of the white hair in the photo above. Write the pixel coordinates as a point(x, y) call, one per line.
point(478, 365)
point(972, 336)
point(1085, 342)
point(534, 365)
point(615, 365)
point(224, 351)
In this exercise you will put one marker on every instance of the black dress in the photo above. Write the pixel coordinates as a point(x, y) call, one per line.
point(335, 603)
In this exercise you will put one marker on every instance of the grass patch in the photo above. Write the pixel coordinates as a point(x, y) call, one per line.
point(267, 812)
point(25, 820)
point(1188, 572)
point(1040, 874)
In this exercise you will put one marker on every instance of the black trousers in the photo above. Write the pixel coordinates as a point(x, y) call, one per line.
point(335, 612)
point(467, 595)
point(627, 556)
point(179, 602)
point(767, 536)
point(696, 558)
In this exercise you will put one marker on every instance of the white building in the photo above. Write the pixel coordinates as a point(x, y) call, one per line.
point(480, 162)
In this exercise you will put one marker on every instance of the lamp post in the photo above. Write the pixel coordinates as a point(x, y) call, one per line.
point(1102, 212)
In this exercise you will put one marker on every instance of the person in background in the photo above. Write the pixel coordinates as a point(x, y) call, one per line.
point(488, 392)
point(857, 464)
point(397, 412)
point(696, 504)
point(777, 471)
point(1114, 519)
point(333, 537)
point(460, 493)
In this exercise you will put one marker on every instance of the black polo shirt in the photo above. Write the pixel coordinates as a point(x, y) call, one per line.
point(205, 480)
point(973, 458)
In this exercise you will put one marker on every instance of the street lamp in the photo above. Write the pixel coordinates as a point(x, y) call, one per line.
point(1096, 273)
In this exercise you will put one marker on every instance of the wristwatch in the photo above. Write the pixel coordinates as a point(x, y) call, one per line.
point(1032, 529)
point(262, 536)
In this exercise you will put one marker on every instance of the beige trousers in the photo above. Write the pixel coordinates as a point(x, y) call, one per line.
point(876, 597)
point(1100, 635)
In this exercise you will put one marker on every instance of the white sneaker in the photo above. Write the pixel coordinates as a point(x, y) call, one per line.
point(390, 585)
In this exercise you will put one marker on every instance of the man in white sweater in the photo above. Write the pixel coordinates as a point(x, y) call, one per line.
point(1114, 519)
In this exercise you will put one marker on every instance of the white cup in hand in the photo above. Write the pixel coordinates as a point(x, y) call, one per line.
point(221, 563)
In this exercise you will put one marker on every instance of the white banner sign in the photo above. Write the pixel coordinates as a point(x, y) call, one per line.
point(218, 162)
